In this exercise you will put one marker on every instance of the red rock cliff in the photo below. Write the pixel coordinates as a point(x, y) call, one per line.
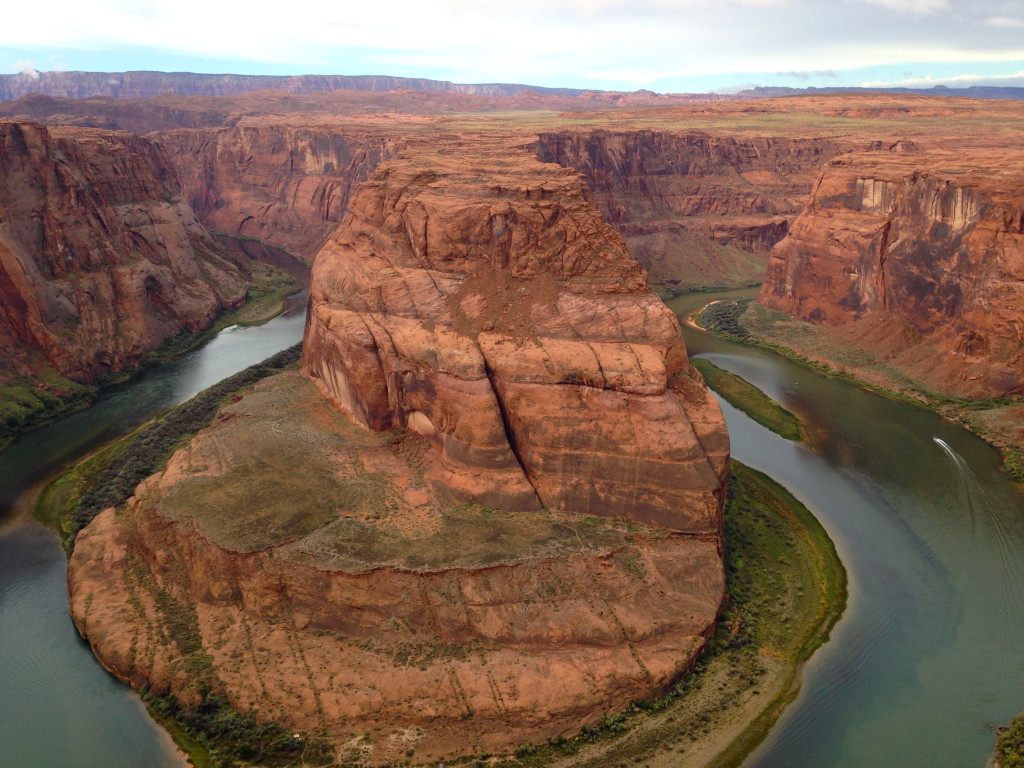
point(485, 304)
point(492, 332)
point(100, 259)
point(675, 195)
point(288, 183)
point(919, 256)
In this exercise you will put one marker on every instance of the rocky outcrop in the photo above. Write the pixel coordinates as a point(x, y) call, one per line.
point(492, 514)
point(288, 183)
point(488, 306)
point(918, 256)
point(694, 207)
point(100, 258)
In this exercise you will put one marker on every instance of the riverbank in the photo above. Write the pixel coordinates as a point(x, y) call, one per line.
point(743, 395)
point(1000, 422)
point(786, 588)
point(27, 404)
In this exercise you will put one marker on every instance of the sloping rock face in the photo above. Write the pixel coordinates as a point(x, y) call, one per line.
point(695, 208)
point(919, 256)
point(296, 564)
point(486, 305)
point(100, 258)
point(288, 183)
point(491, 514)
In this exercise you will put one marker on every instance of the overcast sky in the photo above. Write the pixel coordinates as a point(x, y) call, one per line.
point(664, 45)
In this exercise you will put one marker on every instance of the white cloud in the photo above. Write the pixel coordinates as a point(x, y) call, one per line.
point(916, 7)
point(1005, 22)
point(955, 81)
point(26, 67)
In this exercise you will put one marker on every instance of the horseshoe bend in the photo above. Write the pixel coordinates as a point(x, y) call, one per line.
point(488, 510)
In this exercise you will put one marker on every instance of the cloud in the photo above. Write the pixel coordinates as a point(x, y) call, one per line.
point(1004, 21)
point(954, 81)
point(805, 75)
point(914, 7)
point(26, 67)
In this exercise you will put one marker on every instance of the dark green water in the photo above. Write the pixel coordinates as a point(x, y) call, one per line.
point(930, 653)
point(58, 707)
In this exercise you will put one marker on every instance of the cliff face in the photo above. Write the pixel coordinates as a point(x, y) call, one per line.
point(286, 183)
point(142, 84)
point(490, 516)
point(678, 198)
point(100, 258)
point(919, 256)
point(488, 307)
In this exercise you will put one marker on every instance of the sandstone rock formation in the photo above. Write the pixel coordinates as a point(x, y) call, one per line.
point(100, 259)
point(501, 523)
point(695, 208)
point(919, 255)
point(487, 306)
point(285, 181)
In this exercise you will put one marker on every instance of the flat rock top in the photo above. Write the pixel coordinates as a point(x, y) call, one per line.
point(282, 469)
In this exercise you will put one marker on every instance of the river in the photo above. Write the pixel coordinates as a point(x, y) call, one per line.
point(930, 653)
point(58, 707)
point(927, 657)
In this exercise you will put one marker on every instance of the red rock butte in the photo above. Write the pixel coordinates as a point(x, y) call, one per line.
point(496, 518)
point(484, 303)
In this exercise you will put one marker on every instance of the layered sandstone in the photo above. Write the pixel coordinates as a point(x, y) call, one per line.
point(694, 207)
point(918, 256)
point(491, 515)
point(286, 182)
point(100, 258)
point(487, 305)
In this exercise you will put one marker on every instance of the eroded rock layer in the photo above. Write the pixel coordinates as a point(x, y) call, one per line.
point(484, 303)
point(919, 256)
point(696, 208)
point(100, 259)
point(501, 523)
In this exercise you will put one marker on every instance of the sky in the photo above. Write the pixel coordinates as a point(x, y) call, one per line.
point(661, 45)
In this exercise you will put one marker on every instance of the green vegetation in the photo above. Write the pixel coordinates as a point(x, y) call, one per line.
point(996, 420)
point(744, 396)
point(1010, 745)
point(786, 588)
point(26, 403)
point(110, 476)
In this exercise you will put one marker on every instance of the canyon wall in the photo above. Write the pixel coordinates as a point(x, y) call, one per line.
point(286, 182)
point(695, 208)
point(490, 514)
point(143, 84)
point(100, 258)
point(919, 256)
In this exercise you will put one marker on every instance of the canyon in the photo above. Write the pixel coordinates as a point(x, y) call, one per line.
point(415, 541)
point(421, 499)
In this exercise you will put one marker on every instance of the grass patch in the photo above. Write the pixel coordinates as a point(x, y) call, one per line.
point(1010, 745)
point(108, 478)
point(744, 396)
point(26, 404)
point(786, 589)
